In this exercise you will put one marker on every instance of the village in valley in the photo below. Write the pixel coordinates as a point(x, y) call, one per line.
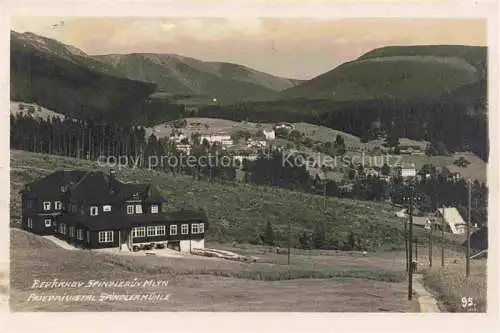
point(266, 197)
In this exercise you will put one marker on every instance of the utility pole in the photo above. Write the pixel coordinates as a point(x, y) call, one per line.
point(324, 194)
point(410, 256)
point(405, 222)
point(430, 246)
point(289, 236)
point(467, 259)
point(416, 249)
point(442, 238)
point(410, 198)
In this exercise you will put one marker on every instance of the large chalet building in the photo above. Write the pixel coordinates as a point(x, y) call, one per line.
point(91, 209)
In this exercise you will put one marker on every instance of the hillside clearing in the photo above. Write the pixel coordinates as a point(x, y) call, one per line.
point(239, 212)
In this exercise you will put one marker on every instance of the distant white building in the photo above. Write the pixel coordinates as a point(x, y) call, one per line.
point(178, 137)
point(240, 158)
point(286, 126)
point(222, 138)
point(407, 171)
point(453, 219)
point(270, 135)
point(251, 143)
point(185, 148)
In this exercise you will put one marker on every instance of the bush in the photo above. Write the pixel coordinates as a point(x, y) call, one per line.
point(461, 162)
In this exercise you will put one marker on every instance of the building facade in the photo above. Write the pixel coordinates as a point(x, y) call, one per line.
point(95, 210)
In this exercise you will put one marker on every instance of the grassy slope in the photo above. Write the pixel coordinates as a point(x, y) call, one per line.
point(373, 79)
point(400, 71)
point(336, 283)
point(474, 55)
point(237, 211)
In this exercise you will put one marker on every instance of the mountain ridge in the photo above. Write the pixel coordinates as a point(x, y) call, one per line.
point(397, 72)
point(178, 74)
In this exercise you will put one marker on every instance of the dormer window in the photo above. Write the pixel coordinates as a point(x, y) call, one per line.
point(58, 205)
point(93, 211)
point(46, 205)
point(130, 209)
point(63, 189)
point(138, 209)
point(106, 208)
point(154, 209)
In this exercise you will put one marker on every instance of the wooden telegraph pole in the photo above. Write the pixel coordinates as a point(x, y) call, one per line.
point(289, 240)
point(410, 256)
point(416, 249)
point(324, 194)
point(405, 222)
point(467, 259)
point(430, 245)
point(410, 198)
point(442, 238)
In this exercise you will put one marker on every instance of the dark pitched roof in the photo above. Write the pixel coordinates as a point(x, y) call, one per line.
point(478, 239)
point(94, 188)
point(50, 186)
point(98, 187)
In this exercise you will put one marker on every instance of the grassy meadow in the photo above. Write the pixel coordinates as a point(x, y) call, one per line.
point(239, 212)
point(328, 283)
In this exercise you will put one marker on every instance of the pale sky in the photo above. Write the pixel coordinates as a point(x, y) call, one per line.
point(291, 47)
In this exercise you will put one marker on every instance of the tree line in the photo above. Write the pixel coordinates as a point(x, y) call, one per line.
point(88, 140)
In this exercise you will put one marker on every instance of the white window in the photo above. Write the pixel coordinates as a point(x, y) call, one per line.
point(138, 232)
point(160, 230)
point(138, 209)
point(93, 211)
point(62, 228)
point(202, 228)
point(71, 231)
point(130, 209)
point(106, 208)
point(79, 234)
point(46, 205)
point(184, 229)
point(194, 228)
point(48, 223)
point(30, 223)
point(105, 236)
point(173, 229)
point(88, 236)
point(58, 205)
point(154, 209)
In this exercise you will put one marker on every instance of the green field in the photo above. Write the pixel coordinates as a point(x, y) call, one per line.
point(240, 212)
point(314, 282)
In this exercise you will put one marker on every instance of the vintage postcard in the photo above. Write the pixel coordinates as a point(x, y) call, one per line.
point(248, 158)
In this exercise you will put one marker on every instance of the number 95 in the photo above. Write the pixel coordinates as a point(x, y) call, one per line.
point(467, 302)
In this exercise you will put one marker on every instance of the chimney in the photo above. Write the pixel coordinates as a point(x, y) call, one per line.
point(112, 173)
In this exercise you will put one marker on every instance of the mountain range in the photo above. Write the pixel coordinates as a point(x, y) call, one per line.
point(118, 87)
point(170, 73)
